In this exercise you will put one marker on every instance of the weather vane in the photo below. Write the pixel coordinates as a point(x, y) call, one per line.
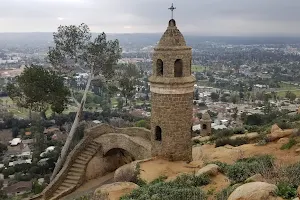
point(172, 8)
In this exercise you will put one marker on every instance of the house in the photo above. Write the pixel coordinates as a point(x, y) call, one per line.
point(18, 188)
point(15, 141)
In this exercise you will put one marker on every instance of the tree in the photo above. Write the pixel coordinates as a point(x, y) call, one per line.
point(37, 89)
point(214, 96)
point(196, 94)
point(290, 95)
point(128, 81)
point(235, 113)
point(3, 148)
point(74, 50)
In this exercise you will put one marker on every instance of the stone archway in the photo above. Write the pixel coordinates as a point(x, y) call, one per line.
point(116, 151)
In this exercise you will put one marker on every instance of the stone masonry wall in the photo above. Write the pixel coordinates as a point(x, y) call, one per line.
point(173, 114)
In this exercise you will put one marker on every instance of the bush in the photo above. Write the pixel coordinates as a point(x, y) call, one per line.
point(183, 187)
point(239, 172)
point(239, 131)
point(225, 193)
point(286, 190)
point(222, 166)
point(292, 174)
point(233, 142)
point(244, 168)
point(192, 180)
point(289, 145)
point(166, 191)
point(8, 171)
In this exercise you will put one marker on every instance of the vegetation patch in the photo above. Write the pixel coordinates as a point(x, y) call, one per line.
point(233, 142)
point(286, 190)
point(183, 187)
point(289, 145)
point(225, 193)
point(244, 168)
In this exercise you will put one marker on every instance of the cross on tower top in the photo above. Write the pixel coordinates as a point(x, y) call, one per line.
point(172, 8)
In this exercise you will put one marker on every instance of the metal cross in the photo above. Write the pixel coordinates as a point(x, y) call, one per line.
point(172, 8)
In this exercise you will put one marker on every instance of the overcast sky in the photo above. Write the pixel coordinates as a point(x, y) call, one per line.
point(203, 17)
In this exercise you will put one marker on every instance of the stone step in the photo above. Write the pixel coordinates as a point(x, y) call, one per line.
point(92, 150)
point(66, 184)
point(84, 158)
point(78, 165)
point(76, 170)
point(74, 182)
point(94, 146)
point(74, 173)
point(62, 188)
point(80, 161)
point(87, 153)
point(73, 177)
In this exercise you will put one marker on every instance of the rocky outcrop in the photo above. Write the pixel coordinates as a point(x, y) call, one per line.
point(114, 191)
point(255, 178)
point(277, 133)
point(254, 191)
point(283, 140)
point(127, 173)
point(211, 169)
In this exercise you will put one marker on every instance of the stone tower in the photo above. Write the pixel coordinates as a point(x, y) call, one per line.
point(205, 123)
point(172, 87)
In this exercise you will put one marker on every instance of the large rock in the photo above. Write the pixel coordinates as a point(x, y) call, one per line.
point(127, 173)
point(279, 134)
point(255, 178)
point(283, 141)
point(274, 128)
point(211, 169)
point(298, 191)
point(254, 191)
point(114, 191)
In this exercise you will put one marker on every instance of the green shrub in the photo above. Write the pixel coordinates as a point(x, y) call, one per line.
point(292, 174)
point(267, 161)
point(246, 167)
point(183, 187)
point(222, 166)
point(159, 179)
point(239, 131)
point(166, 191)
point(289, 145)
point(239, 172)
point(195, 142)
point(286, 190)
point(233, 142)
point(224, 194)
point(192, 180)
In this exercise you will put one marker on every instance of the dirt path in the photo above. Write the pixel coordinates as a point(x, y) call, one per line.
point(90, 186)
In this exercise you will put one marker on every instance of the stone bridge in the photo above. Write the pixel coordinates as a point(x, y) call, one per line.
point(84, 161)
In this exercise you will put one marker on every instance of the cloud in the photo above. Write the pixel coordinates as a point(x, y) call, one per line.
point(205, 17)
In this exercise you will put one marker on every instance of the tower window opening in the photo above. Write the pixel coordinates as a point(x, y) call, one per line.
point(204, 126)
point(159, 67)
point(158, 133)
point(178, 67)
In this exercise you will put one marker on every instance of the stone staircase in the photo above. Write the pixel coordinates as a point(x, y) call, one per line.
point(76, 172)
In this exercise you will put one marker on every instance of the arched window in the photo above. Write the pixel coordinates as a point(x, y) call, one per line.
point(159, 68)
point(158, 133)
point(204, 127)
point(178, 66)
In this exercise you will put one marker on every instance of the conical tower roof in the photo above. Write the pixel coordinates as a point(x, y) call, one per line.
point(172, 37)
point(206, 117)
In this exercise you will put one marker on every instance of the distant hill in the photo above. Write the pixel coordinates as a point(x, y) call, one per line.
point(41, 39)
